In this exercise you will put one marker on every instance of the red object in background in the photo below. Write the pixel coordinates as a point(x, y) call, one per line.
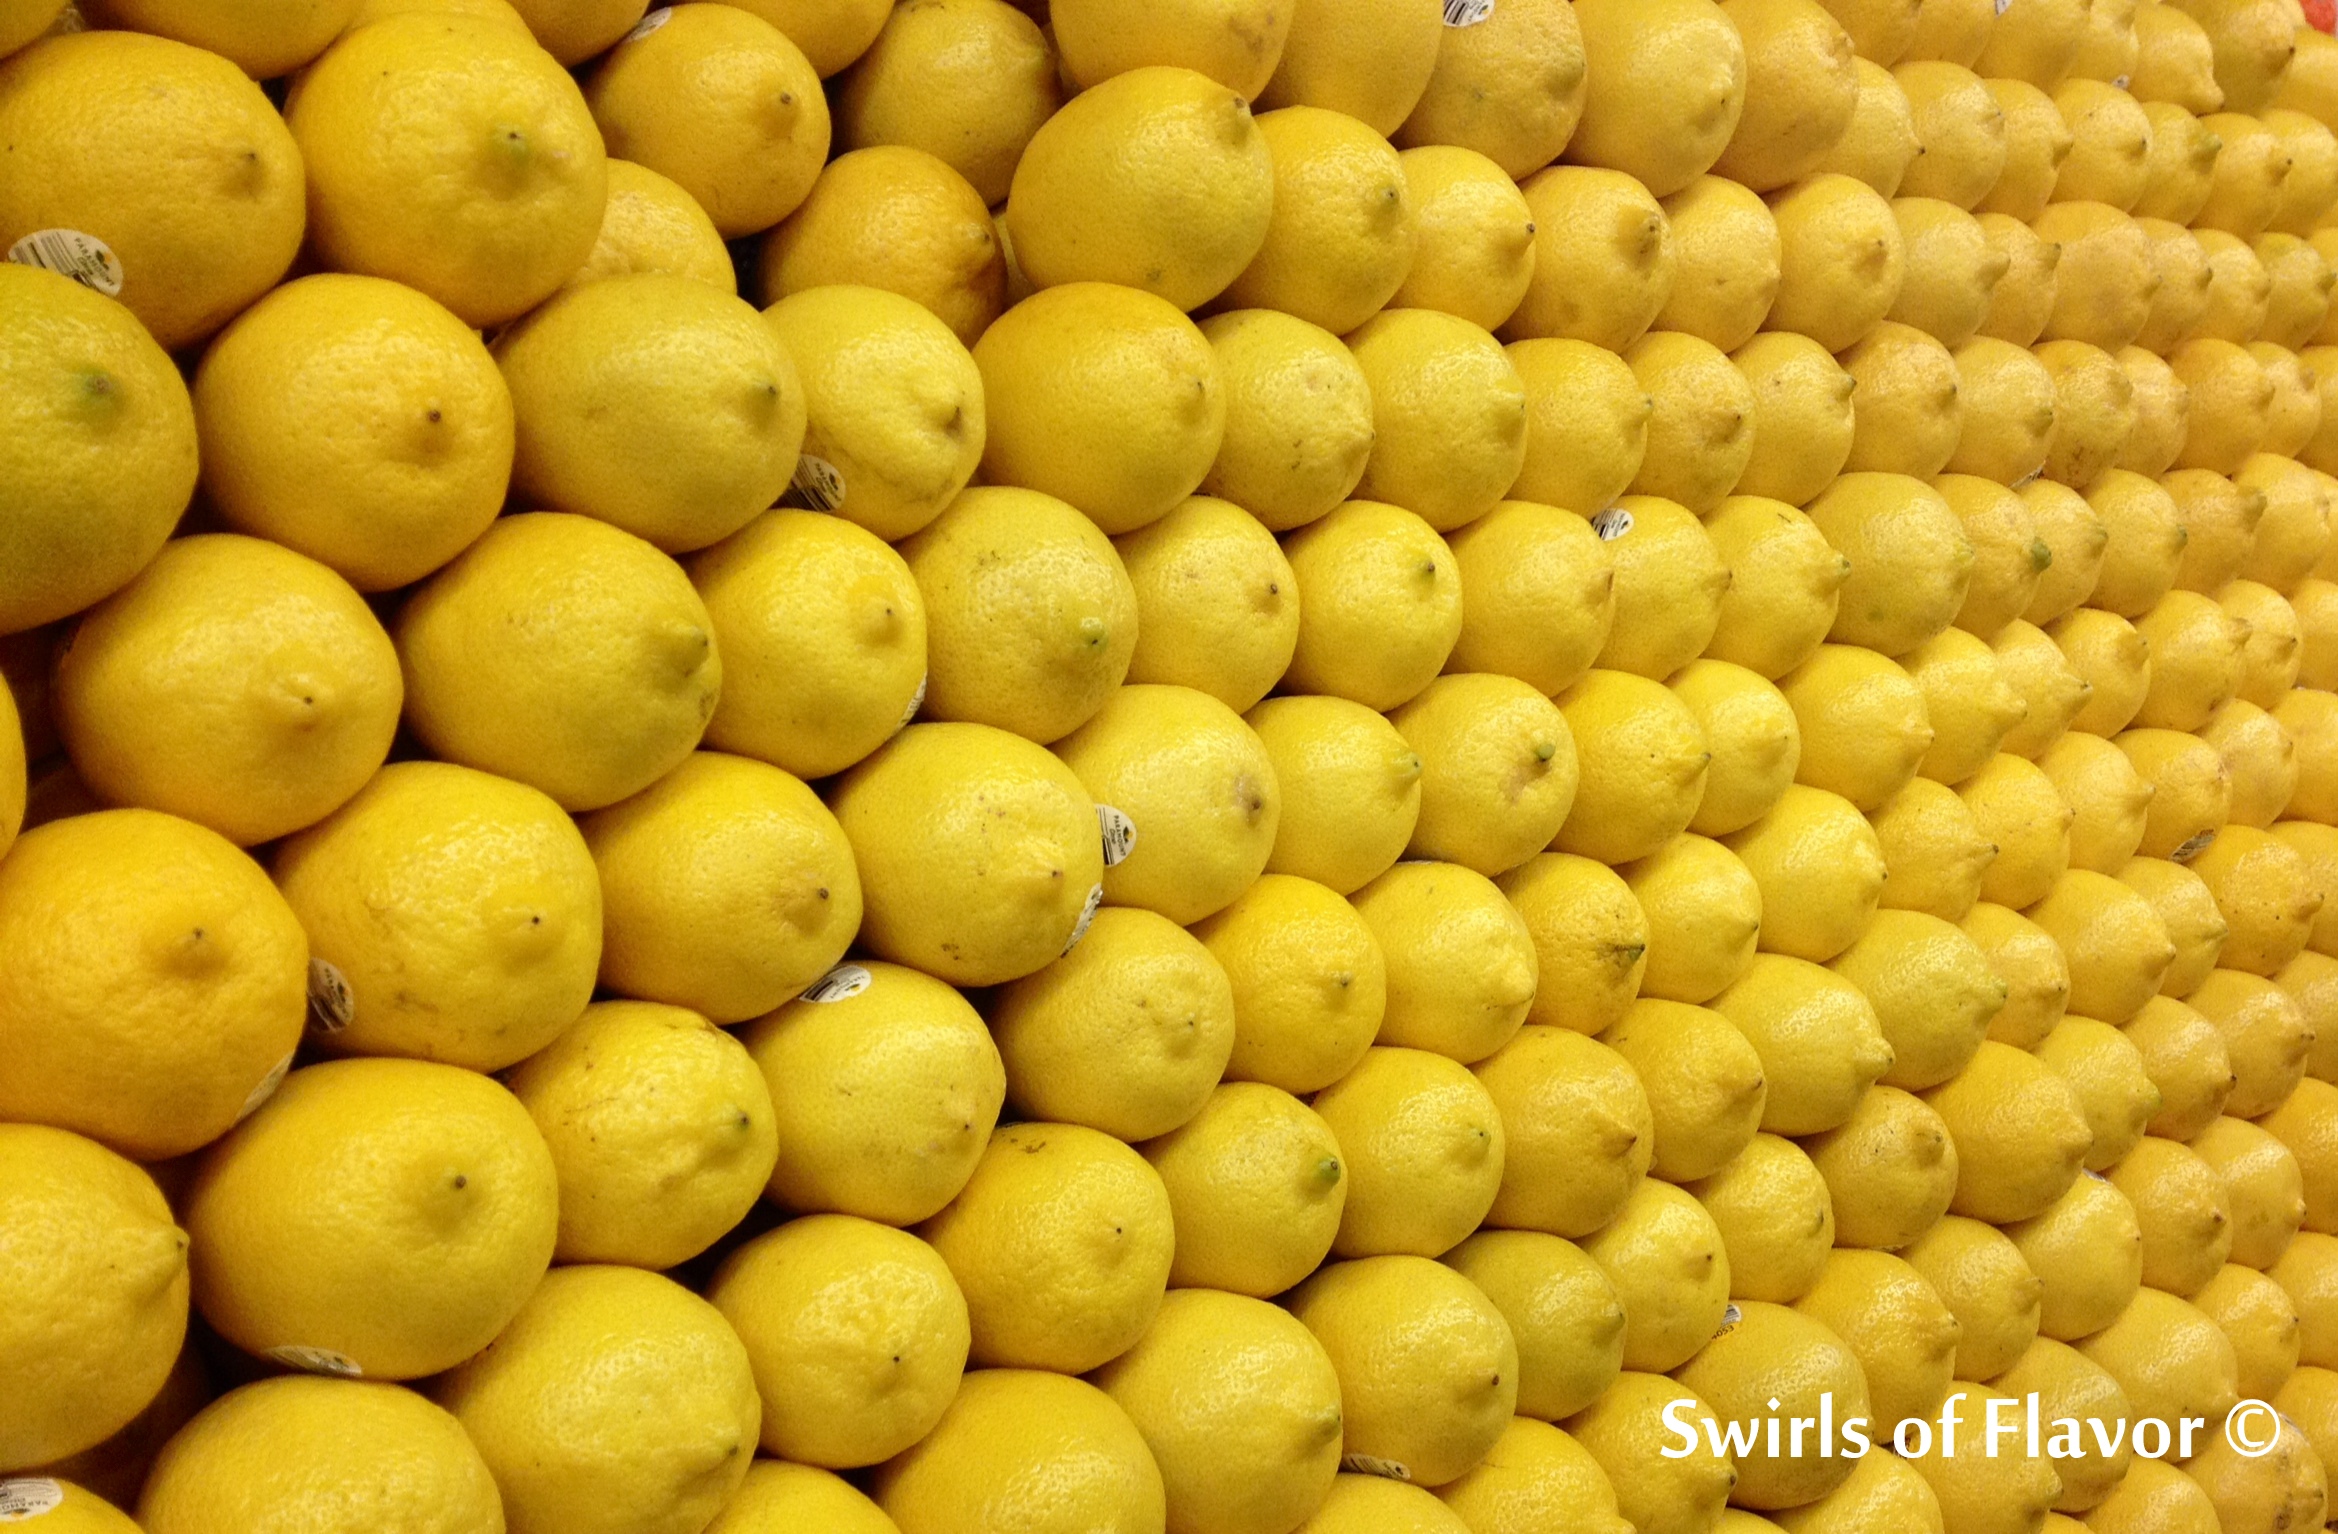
point(2322, 14)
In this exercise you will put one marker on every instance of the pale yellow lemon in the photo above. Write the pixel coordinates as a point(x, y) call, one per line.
point(2141, 556)
point(2029, 961)
point(2039, 142)
point(2196, 649)
point(1933, 851)
point(2245, 189)
point(1535, 1477)
point(1784, 589)
point(1217, 605)
point(1624, 726)
point(2087, 1252)
point(2315, 841)
point(1890, 1168)
point(1802, 417)
point(1474, 251)
point(1423, 1145)
point(777, 1495)
point(2040, 46)
point(1967, 701)
point(1004, 1430)
point(2008, 556)
point(1665, 1258)
point(2285, 1483)
point(2182, 163)
point(1603, 262)
point(2106, 276)
point(2264, 1184)
point(898, 218)
point(2220, 521)
point(2094, 411)
point(2170, 1359)
point(2300, 280)
point(1462, 965)
point(1701, 428)
point(2265, 891)
point(1351, 789)
point(1880, 141)
point(1986, 1283)
point(2186, 1059)
point(2162, 405)
point(1908, 405)
point(1537, 587)
point(2293, 534)
point(2308, 190)
point(1864, 728)
point(1340, 241)
point(1891, 1318)
point(2024, 297)
point(1626, 1433)
point(1449, 415)
point(2025, 816)
point(2108, 799)
point(1820, 870)
point(1590, 939)
point(2183, 1210)
point(1776, 1218)
point(1842, 260)
point(1704, 911)
point(2175, 60)
point(2021, 1132)
point(2188, 907)
point(1774, 1353)
point(2109, 160)
point(1237, 45)
point(2181, 298)
point(1286, 381)
point(1933, 990)
point(2240, 290)
point(2068, 1386)
point(651, 225)
point(1753, 735)
point(1678, 63)
point(1725, 262)
point(2118, 947)
point(1960, 127)
point(967, 80)
point(1911, 560)
point(1511, 86)
point(1580, 1133)
point(1498, 770)
point(1880, 1486)
point(1256, 1188)
point(1801, 90)
point(1368, 58)
point(1818, 1038)
point(2006, 412)
point(2267, 1036)
point(2315, 602)
point(1586, 424)
point(2112, 659)
point(2075, 539)
point(2261, 756)
point(1379, 604)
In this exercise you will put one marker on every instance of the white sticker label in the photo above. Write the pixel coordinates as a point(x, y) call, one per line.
point(1467, 13)
point(331, 1004)
point(1730, 1318)
point(1612, 524)
point(1087, 918)
point(2120, 83)
point(317, 1361)
point(650, 23)
point(839, 984)
point(1120, 834)
point(2192, 847)
point(916, 702)
point(85, 258)
point(2003, 6)
point(27, 1497)
point(265, 1090)
point(1386, 1469)
point(817, 486)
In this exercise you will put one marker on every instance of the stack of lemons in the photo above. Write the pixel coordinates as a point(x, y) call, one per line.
point(1355, 757)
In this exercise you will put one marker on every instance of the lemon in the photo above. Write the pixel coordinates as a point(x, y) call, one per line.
point(1664, 1256)
point(1298, 417)
point(1368, 58)
point(1894, 1322)
point(81, 1511)
point(2305, 1272)
point(1864, 728)
point(1911, 560)
point(1966, 700)
point(266, 655)
point(1960, 128)
point(2306, 86)
point(159, 995)
point(1461, 962)
point(2266, 893)
point(2094, 410)
point(1578, 1131)
point(186, 250)
point(1784, 589)
point(1706, 1083)
point(1370, 1503)
point(2304, 1126)
point(2294, 532)
point(2118, 947)
point(455, 916)
point(1586, 424)
point(2109, 160)
point(752, 146)
point(1498, 770)
point(285, 1260)
point(1510, 85)
point(1627, 1433)
point(1842, 260)
point(2182, 162)
point(1776, 1218)
point(1880, 1487)
point(1379, 604)
point(1725, 262)
point(2113, 1083)
point(2196, 654)
point(1677, 63)
point(2315, 604)
point(857, 1335)
point(1474, 252)
point(1801, 90)
point(100, 1309)
point(2039, 141)
point(1537, 590)
point(2240, 302)
point(2006, 401)
point(1351, 789)
point(777, 1495)
point(1212, 608)
point(2181, 299)
point(1590, 938)
point(2231, 398)
point(652, 225)
point(2024, 297)
point(1603, 258)
point(328, 1454)
point(2175, 60)
point(2308, 189)
point(1803, 421)
point(2263, 1185)
point(973, 897)
point(1886, 30)
point(1820, 1045)
point(1017, 1447)
point(311, 439)
point(1237, 44)
point(2191, 790)
point(2075, 539)
point(1157, 178)
point(2066, 1385)
point(1642, 760)
point(2087, 1251)
point(1820, 870)
point(2261, 756)
point(2108, 800)
point(1703, 910)
point(2170, 1359)
point(1668, 587)
point(1423, 1145)
point(2155, 1495)
point(2297, 304)
point(1700, 431)
point(1751, 731)
point(1256, 1186)
point(1127, 1033)
point(884, 1121)
point(2030, 962)
point(1536, 1477)
point(1449, 412)
point(1934, 854)
point(2184, 1211)
point(2220, 519)
point(1933, 990)
point(899, 219)
point(1987, 1285)
point(2287, 1484)
point(2162, 404)
point(1340, 241)
point(2022, 813)
point(2245, 189)
point(1880, 141)
point(2306, 1400)
point(1562, 1311)
point(2186, 1058)
point(1909, 412)
point(967, 80)
point(2021, 1132)
point(2266, 1036)
point(2145, 544)
point(1781, 1354)
point(1428, 1369)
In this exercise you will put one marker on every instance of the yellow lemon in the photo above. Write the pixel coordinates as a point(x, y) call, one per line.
point(2008, 556)
point(1061, 1243)
point(2170, 1359)
point(1423, 1145)
point(1894, 1322)
point(2023, 814)
point(1880, 141)
point(2185, 278)
point(2315, 604)
point(1370, 1503)
point(266, 656)
point(2112, 1081)
point(2146, 541)
point(1669, 585)
point(2240, 302)
point(1590, 939)
point(897, 219)
point(2303, 1124)
point(1725, 262)
point(2087, 1251)
point(2245, 190)
point(2108, 800)
point(2307, 191)
point(1642, 761)
point(2191, 791)
point(2316, 843)
point(1285, 381)
point(1579, 1133)
point(2109, 160)
point(2186, 1058)
point(81, 1511)
point(967, 80)
point(2260, 754)
point(1803, 421)
point(1216, 605)
point(2162, 406)
point(1701, 429)
point(310, 440)
point(1887, 30)
point(1933, 990)
point(1960, 128)
point(1127, 1033)
point(778, 1495)
point(2155, 1495)
point(2030, 962)
point(1351, 789)
point(1498, 770)
point(2039, 142)
point(2299, 280)
point(1256, 1185)
point(1665, 1258)
point(2021, 1133)
point(1235, 44)
point(1864, 728)
point(1967, 701)
point(1340, 241)
point(1705, 1083)
point(1820, 870)
point(1776, 1218)
point(2284, 1484)
point(1563, 1313)
point(159, 995)
point(1842, 260)
point(652, 225)
point(2075, 539)
point(1536, 1477)
point(2220, 519)
point(1801, 90)
point(1022, 1445)
point(2181, 165)
point(2118, 947)
point(2263, 1184)
point(1510, 85)
point(2041, 45)
point(1379, 604)
point(1820, 1044)
point(2006, 410)
point(2293, 534)
point(1473, 252)
point(2267, 1035)
point(2231, 398)
point(2265, 891)
point(1703, 912)
point(2094, 411)
point(1625, 1431)
point(2306, 1272)
point(2067, 1386)
point(1603, 263)
point(1880, 1487)
point(1680, 63)
point(2197, 648)
point(2184, 1211)
point(1586, 424)
point(2023, 299)
point(1460, 963)
point(1428, 1369)
point(284, 1260)
point(1751, 731)
point(1449, 415)
point(1774, 1353)
point(1537, 587)
point(1986, 1283)
point(1156, 178)
point(2106, 274)
point(1911, 560)
point(1784, 589)
point(1933, 851)
point(2175, 60)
